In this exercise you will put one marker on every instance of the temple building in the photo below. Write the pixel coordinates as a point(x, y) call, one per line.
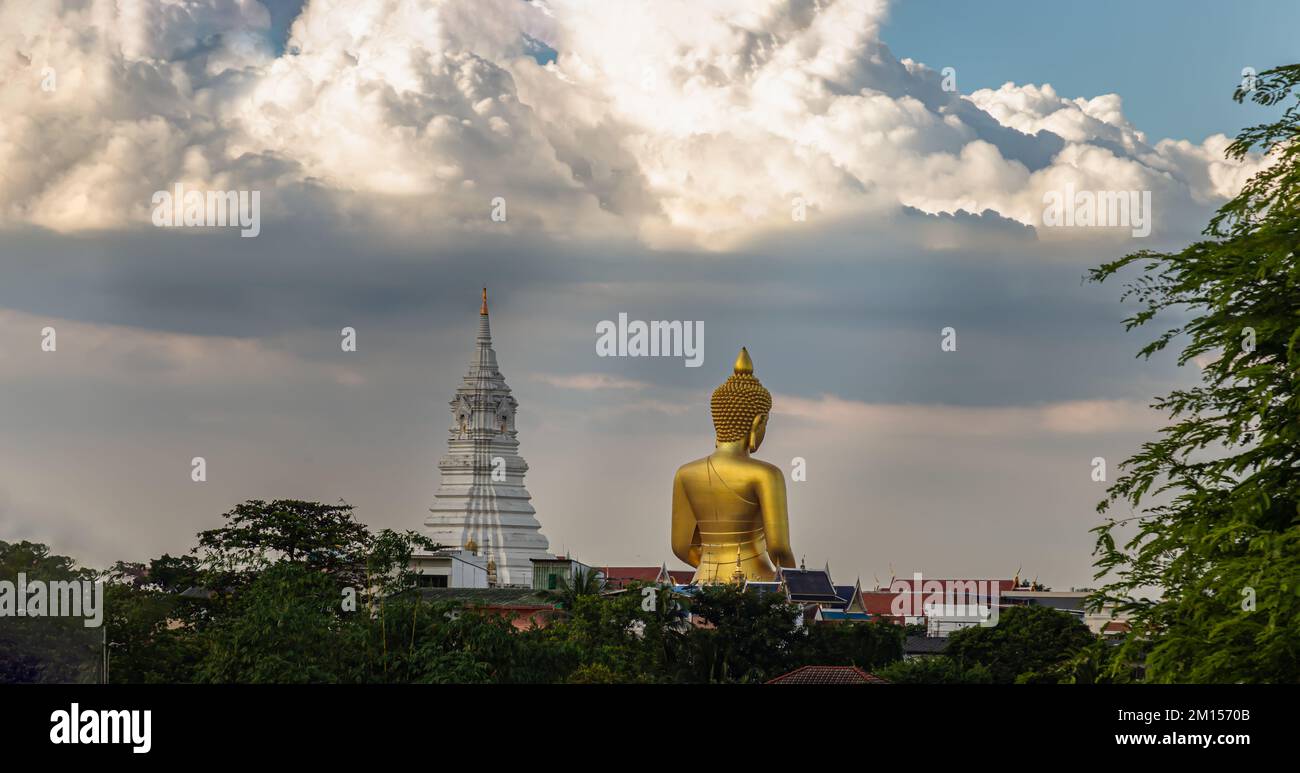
point(481, 504)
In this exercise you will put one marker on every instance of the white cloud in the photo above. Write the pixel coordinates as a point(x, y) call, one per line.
point(104, 102)
point(678, 122)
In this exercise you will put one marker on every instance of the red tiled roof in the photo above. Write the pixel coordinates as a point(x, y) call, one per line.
point(630, 573)
point(1004, 586)
point(879, 601)
point(681, 576)
point(1116, 626)
point(828, 675)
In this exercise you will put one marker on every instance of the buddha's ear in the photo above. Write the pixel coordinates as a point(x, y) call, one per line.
point(757, 429)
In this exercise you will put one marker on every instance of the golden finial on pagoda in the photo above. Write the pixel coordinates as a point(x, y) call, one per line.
point(483, 309)
point(738, 576)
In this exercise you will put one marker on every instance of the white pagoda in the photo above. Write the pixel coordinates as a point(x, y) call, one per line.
point(482, 504)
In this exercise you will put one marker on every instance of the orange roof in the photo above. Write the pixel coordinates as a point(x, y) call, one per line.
point(880, 600)
point(631, 573)
point(905, 584)
point(828, 675)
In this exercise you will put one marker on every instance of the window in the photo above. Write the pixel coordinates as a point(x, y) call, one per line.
point(431, 581)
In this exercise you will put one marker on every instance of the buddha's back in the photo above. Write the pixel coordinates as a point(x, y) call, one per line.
point(729, 510)
point(724, 496)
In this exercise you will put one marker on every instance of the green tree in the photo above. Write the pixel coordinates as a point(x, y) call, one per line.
point(296, 591)
point(1027, 644)
point(595, 673)
point(258, 534)
point(865, 645)
point(750, 636)
point(934, 669)
point(622, 637)
point(1218, 494)
point(148, 639)
point(45, 649)
point(1101, 662)
point(283, 627)
point(585, 582)
point(173, 574)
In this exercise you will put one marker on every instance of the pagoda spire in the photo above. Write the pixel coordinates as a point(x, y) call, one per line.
point(485, 356)
point(482, 498)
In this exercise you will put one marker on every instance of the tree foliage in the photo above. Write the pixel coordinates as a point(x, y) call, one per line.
point(258, 534)
point(1217, 495)
point(935, 669)
point(584, 582)
point(1029, 644)
point(284, 616)
point(282, 613)
point(45, 649)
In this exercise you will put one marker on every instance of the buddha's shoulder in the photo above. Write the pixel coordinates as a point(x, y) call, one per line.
point(750, 467)
point(767, 469)
point(693, 466)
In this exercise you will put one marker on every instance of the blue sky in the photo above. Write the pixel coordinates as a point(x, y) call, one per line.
point(1174, 63)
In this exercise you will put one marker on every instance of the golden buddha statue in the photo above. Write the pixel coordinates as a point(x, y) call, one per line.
point(729, 511)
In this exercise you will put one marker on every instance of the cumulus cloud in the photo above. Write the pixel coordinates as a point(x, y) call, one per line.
point(106, 101)
point(737, 109)
point(674, 122)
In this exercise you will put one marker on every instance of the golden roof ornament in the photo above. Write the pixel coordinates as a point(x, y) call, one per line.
point(738, 576)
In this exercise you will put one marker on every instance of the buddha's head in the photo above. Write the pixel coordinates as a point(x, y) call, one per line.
point(741, 405)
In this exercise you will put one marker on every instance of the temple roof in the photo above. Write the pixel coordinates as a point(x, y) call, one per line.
point(810, 586)
point(621, 575)
point(490, 597)
point(828, 675)
point(925, 645)
point(762, 587)
point(839, 615)
point(681, 576)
